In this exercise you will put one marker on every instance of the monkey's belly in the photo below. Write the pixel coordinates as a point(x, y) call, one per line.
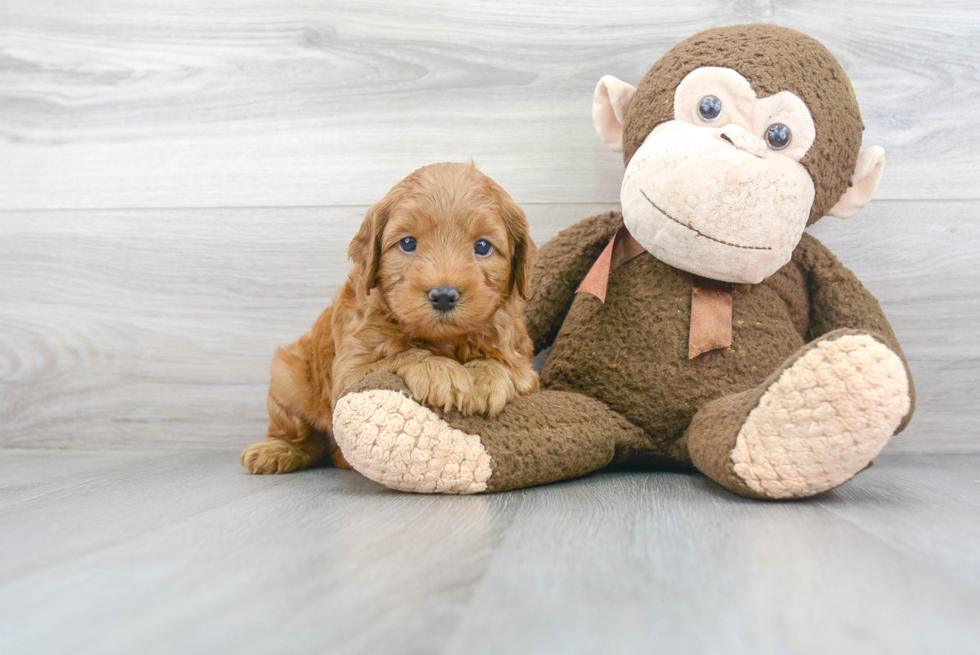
point(631, 352)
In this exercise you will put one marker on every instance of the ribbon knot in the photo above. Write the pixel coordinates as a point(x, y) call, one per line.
point(711, 300)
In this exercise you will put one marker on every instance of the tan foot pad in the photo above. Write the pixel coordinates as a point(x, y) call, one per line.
point(396, 441)
point(824, 419)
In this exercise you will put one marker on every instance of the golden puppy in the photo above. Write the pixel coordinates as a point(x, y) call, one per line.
point(435, 295)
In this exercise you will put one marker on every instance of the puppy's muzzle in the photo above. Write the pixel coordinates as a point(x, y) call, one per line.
point(443, 299)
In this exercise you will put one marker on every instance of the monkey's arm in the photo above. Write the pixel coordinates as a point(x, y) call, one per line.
point(838, 300)
point(561, 266)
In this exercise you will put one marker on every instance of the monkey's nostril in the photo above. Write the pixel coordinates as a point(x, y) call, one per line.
point(727, 138)
point(443, 298)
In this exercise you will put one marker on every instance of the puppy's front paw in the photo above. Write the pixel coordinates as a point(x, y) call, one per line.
point(493, 387)
point(274, 456)
point(439, 382)
point(495, 384)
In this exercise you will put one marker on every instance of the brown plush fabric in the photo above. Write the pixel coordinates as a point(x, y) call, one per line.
point(622, 248)
point(561, 266)
point(548, 436)
point(631, 351)
point(773, 59)
point(712, 435)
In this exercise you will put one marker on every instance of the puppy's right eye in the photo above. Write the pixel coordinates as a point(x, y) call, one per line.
point(408, 245)
point(482, 248)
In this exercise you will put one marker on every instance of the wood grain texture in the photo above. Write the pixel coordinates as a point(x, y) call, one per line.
point(184, 552)
point(941, 489)
point(144, 103)
point(155, 328)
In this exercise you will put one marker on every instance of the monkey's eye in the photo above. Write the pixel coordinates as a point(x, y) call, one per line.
point(778, 136)
point(408, 245)
point(482, 248)
point(709, 108)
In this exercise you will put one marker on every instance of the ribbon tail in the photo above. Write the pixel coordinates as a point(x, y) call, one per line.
point(711, 316)
point(597, 279)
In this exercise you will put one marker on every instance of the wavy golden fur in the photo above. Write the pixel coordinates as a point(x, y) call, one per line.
point(472, 358)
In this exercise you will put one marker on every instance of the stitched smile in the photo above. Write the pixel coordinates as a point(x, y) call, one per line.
point(699, 232)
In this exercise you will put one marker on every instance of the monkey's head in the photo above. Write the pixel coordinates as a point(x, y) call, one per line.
point(734, 142)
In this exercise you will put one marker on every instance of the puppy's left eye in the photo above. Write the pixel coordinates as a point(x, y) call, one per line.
point(408, 245)
point(482, 248)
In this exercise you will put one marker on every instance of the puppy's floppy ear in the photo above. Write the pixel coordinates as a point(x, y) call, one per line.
point(365, 247)
point(524, 250)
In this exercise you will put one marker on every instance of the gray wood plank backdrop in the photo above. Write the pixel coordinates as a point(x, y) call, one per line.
point(178, 181)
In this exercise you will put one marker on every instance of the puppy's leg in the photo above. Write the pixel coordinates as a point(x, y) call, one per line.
point(436, 381)
point(293, 441)
point(495, 383)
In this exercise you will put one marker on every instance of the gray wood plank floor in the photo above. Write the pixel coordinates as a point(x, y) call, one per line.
point(182, 552)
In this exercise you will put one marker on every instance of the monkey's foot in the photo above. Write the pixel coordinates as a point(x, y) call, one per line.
point(813, 425)
point(824, 418)
point(274, 456)
point(394, 440)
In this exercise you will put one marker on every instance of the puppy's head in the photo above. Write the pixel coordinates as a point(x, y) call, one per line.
point(446, 248)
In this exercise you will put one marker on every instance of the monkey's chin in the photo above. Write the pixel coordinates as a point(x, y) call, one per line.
point(689, 250)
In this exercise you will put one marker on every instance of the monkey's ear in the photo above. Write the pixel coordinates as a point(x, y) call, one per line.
point(867, 175)
point(610, 103)
point(365, 247)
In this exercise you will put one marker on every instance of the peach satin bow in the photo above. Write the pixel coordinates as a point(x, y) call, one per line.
point(711, 300)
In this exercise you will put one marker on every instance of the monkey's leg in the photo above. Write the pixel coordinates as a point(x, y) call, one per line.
point(811, 426)
point(538, 438)
point(293, 442)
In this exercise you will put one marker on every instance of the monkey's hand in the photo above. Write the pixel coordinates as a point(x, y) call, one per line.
point(495, 383)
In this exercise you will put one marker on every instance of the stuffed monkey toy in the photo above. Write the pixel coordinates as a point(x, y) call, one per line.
point(701, 327)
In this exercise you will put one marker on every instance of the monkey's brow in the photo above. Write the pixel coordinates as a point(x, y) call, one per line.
point(699, 232)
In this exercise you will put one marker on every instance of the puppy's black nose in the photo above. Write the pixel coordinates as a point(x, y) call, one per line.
point(444, 298)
